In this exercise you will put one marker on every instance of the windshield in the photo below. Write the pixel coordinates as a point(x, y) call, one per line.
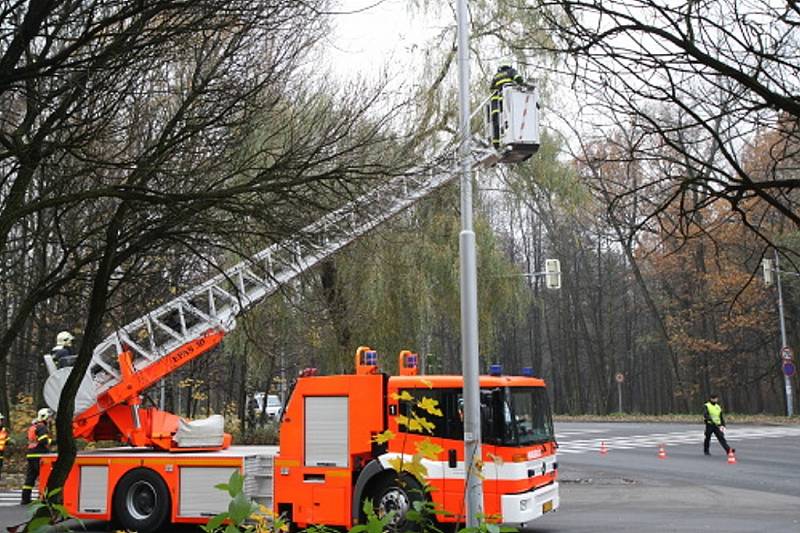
point(526, 416)
point(510, 416)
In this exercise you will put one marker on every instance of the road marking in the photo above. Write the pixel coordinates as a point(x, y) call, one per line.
point(569, 432)
point(694, 437)
point(11, 498)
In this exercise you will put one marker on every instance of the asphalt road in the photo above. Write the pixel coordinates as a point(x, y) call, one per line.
point(630, 489)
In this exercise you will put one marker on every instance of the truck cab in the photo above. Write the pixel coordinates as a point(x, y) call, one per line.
point(332, 459)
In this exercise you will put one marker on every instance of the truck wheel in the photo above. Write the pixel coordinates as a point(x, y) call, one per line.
point(141, 501)
point(397, 493)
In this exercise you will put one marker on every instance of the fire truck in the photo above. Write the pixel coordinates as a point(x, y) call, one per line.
point(329, 460)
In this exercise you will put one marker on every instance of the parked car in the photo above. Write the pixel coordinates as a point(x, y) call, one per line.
point(274, 405)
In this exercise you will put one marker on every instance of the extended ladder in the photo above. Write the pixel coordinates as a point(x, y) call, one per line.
point(213, 306)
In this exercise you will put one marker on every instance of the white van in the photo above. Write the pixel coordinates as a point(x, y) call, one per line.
point(274, 405)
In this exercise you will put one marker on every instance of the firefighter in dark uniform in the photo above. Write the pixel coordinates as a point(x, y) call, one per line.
point(62, 351)
point(38, 444)
point(715, 424)
point(3, 441)
point(505, 74)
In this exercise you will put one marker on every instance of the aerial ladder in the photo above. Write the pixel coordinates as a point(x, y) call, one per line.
point(138, 355)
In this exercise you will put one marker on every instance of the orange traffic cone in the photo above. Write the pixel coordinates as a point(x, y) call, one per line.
point(603, 449)
point(662, 453)
point(731, 457)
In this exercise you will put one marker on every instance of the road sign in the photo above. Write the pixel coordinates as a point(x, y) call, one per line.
point(786, 353)
point(620, 377)
point(788, 369)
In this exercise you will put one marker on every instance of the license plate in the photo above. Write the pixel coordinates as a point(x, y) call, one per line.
point(547, 506)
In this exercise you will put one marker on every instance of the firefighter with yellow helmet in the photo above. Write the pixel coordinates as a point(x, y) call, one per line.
point(39, 441)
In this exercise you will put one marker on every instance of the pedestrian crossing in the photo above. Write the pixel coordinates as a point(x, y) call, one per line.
point(12, 497)
point(568, 445)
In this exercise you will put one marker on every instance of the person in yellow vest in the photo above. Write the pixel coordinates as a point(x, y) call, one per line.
point(38, 444)
point(715, 424)
point(3, 441)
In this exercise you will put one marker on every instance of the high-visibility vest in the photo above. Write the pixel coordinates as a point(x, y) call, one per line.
point(3, 439)
point(714, 412)
point(38, 442)
point(33, 440)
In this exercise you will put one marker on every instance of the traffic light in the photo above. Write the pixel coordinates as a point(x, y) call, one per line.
point(552, 271)
point(769, 278)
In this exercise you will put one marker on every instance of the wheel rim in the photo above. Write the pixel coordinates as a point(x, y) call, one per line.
point(141, 500)
point(395, 499)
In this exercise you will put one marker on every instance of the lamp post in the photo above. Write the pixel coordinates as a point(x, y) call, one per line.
point(787, 380)
point(473, 490)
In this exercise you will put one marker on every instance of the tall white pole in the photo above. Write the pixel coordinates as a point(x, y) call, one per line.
point(469, 286)
point(787, 381)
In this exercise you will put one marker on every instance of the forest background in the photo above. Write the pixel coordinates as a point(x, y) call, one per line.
point(135, 164)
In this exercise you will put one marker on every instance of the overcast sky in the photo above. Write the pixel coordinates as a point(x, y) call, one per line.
point(372, 34)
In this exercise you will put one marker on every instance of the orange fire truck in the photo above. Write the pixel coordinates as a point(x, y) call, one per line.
point(329, 461)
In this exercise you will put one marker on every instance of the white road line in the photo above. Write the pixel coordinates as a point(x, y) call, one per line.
point(11, 498)
point(693, 437)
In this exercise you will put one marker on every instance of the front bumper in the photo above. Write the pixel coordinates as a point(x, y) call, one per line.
point(519, 509)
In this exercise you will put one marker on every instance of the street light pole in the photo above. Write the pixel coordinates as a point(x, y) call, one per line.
point(469, 287)
point(787, 381)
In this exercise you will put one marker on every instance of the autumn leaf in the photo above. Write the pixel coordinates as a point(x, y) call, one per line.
point(496, 459)
point(477, 469)
point(413, 467)
point(428, 449)
point(429, 405)
point(403, 396)
point(402, 420)
point(420, 424)
point(396, 463)
point(383, 438)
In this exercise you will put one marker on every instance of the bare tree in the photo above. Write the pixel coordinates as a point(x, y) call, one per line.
point(142, 129)
point(701, 81)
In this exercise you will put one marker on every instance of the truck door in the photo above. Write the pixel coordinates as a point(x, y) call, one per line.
point(453, 443)
point(421, 408)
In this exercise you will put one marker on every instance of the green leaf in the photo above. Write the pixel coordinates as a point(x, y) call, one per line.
point(38, 525)
point(215, 522)
point(61, 510)
point(235, 483)
point(232, 529)
point(240, 508)
point(492, 528)
point(221, 486)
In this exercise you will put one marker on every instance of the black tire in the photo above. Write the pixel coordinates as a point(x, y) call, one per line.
point(141, 501)
point(397, 493)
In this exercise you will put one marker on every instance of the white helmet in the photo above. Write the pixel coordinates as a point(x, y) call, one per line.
point(43, 414)
point(64, 338)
